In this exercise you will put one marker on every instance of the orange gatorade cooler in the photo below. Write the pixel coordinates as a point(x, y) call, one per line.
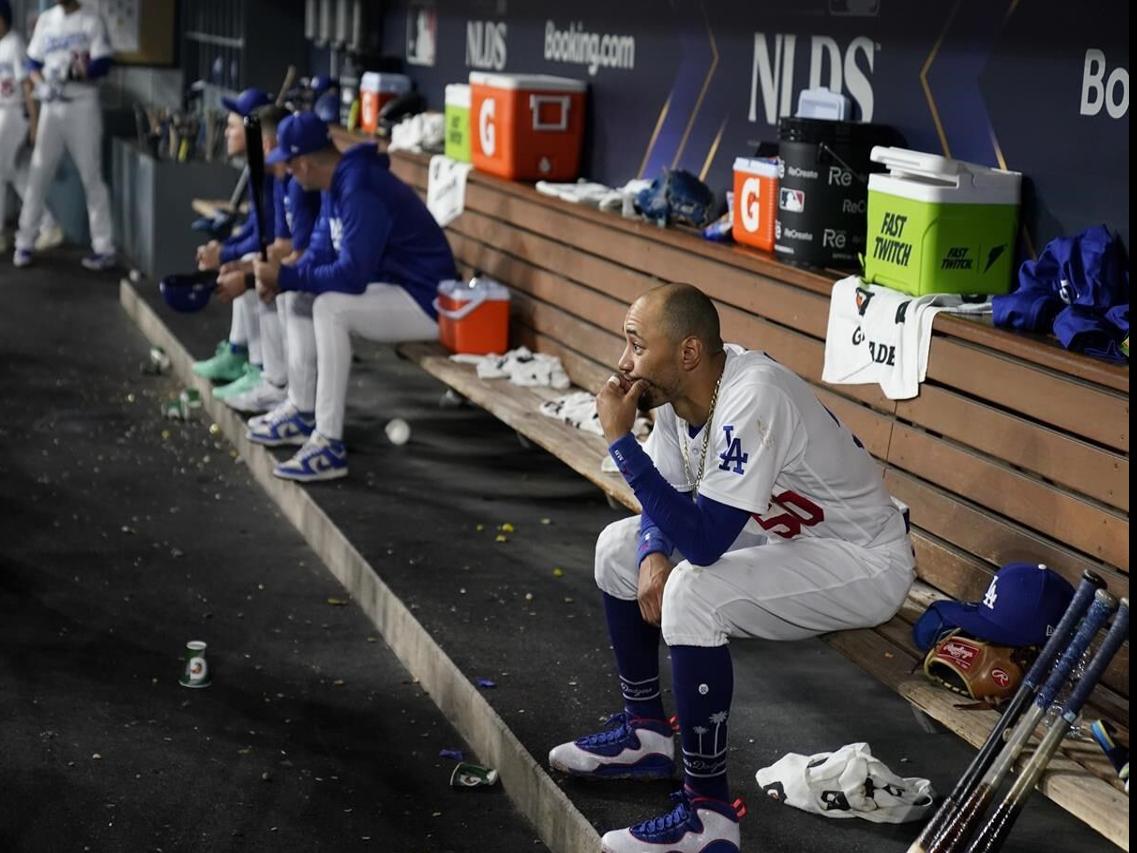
point(375, 90)
point(755, 202)
point(526, 126)
point(473, 317)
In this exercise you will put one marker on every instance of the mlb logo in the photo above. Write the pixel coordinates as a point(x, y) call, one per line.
point(791, 200)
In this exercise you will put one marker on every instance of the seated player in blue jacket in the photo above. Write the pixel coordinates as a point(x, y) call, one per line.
point(377, 277)
point(231, 362)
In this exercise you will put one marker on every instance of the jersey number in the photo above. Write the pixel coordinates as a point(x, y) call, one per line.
point(799, 512)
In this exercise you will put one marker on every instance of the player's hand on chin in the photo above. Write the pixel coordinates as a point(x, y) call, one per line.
point(616, 405)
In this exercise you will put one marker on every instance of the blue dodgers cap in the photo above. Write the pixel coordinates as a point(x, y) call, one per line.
point(1022, 607)
point(321, 83)
point(300, 133)
point(249, 100)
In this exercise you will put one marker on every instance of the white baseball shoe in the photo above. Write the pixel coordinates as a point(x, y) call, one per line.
point(49, 238)
point(260, 398)
point(695, 825)
point(629, 748)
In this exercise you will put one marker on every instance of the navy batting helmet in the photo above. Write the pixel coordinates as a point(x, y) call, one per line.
point(188, 292)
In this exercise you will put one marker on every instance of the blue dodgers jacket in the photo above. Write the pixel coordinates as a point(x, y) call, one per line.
point(297, 210)
point(380, 231)
point(247, 239)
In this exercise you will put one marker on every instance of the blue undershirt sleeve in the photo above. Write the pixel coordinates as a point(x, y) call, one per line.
point(702, 530)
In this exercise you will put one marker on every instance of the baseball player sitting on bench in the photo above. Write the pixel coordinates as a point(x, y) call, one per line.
point(290, 201)
point(762, 517)
point(237, 362)
point(379, 280)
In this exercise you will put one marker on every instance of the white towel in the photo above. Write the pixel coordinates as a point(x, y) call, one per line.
point(521, 367)
point(579, 410)
point(446, 189)
point(879, 335)
point(850, 782)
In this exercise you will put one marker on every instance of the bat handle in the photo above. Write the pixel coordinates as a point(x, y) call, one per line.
point(994, 833)
point(1104, 604)
point(1077, 608)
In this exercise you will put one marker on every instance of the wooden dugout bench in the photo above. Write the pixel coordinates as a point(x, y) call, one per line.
point(1015, 449)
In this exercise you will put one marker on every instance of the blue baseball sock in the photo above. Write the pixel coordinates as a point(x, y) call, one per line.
point(703, 680)
point(636, 644)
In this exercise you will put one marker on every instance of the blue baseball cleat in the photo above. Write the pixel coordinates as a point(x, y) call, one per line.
point(282, 426)
point(319, 459)
point(630, 748)
point(695, 825)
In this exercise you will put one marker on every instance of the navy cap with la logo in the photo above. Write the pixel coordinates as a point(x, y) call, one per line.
point(1021, 607)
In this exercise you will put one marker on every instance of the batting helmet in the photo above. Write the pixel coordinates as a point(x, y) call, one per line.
point(188, 292)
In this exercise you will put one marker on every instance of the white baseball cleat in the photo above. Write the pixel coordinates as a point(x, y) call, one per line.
point(630, 748)
point(695, 825)
point(49, 238)
point(260, 398)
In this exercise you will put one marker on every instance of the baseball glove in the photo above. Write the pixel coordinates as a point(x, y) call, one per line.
point(974, 668)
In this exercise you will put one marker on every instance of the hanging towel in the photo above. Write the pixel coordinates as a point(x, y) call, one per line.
point(879, 335)
point(850, 782)
point(446, 189)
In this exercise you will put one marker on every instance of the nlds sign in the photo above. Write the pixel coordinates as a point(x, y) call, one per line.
point(772, 75)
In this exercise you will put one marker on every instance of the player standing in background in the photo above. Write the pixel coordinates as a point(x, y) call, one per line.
point(69, 51)
point(15, 97)
point(762, 517)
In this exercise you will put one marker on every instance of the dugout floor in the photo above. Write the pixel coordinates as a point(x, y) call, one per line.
point(101, 584)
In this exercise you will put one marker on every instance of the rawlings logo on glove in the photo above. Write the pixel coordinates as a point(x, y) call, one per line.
point(983, 671)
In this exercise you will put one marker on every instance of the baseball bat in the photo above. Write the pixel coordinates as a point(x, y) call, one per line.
point(963, 824)
point(994, 833)
point(1077, 608)
point(255, 156)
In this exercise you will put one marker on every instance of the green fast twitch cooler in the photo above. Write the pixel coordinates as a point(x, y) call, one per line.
point(937, 225)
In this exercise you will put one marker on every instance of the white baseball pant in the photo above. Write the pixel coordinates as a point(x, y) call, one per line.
point(275, 362)
point(295, 310)
point(771, 589)
point(13, 132)
point(77, 125)
point(384, 313)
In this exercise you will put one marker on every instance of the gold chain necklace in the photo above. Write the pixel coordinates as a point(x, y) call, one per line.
point(684, 440)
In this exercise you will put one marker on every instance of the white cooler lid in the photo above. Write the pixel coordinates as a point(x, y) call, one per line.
point(927, 177)
point(458, 95)
point(765, 167)
point(539, 82)
point(482, 288)
point(377, 81)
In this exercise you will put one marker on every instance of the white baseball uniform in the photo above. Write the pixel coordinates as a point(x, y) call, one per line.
point(13, 122)
point(825, 548)
point(70, 117)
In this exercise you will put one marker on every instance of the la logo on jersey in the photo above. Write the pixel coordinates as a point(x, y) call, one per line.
point(733, 455)
point(991, 595)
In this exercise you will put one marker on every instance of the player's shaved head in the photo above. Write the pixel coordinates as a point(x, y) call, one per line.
point(683, 311)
